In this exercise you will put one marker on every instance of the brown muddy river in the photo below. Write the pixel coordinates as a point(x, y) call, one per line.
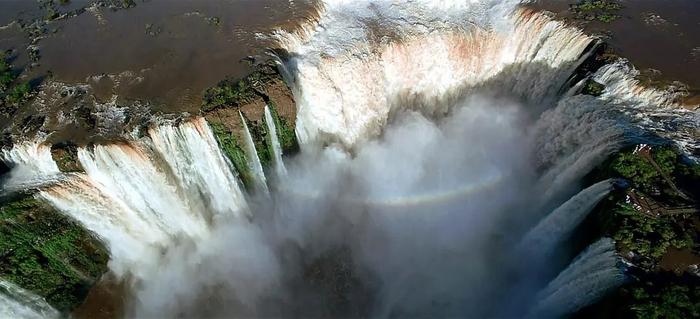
point(660, 37)
point(165, 52)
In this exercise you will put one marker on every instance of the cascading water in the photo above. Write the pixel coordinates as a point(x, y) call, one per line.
point(252, 155)
point(16, 302)
point(557, 226)
point(589, 277)
point(430, 131)
point(33, 166)
point(142, 196)
point(209, 190)
point(280, 170)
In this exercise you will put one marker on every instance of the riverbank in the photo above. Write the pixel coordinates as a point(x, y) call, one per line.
point(656, 225)
point(659, 38)
point(656, 229)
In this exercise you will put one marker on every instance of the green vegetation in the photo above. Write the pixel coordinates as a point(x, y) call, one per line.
point(238, 92)
point(596, 10)
point(229, 93)
point(128, 3)
point(116, 4)
point(215, 21)
point(11, 92)
point(66, 157)
point(593, 88)
point(51, 14)
point(47, 253)
point(654, 215)
point(650, 236)
point(18, 94)
point(260, 135)
point(655, 177)
point(221, 103)
point(6, 75)
point(285, 132)
point(664, 296)
point(234, 151)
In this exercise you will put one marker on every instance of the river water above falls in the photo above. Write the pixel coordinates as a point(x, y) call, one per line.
point(443, 144)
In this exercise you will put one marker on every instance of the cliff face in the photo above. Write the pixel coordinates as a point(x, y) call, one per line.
point(264, 86)
point(658, 38)
point(47, 253)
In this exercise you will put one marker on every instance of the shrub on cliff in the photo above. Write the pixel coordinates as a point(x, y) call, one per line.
point(47, 253)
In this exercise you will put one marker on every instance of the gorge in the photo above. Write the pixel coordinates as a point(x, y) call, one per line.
point(442, 168)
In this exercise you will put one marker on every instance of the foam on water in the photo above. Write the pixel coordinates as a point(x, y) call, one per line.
point(361, 61)
point(424, 126)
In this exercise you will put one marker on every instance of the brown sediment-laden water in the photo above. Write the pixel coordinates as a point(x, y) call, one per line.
point(154, 57)
point(391, 159)
point(660, 38)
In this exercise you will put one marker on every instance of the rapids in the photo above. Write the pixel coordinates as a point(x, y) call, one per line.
point(435, 135)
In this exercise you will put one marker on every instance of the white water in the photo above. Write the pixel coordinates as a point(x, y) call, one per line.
point(252, 156)
point(208, 180)
point(144, 196)
point(469, 46)
point(32, 166)
point(423, 69)
point(18, 303)
point(593, 274)
point(451, 133)
point(280, 170)
point(559, 225)
point(648, 109)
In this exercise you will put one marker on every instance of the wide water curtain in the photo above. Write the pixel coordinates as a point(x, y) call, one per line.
point(443, 144)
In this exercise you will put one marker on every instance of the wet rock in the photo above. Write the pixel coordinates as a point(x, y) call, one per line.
point(66, 157)
point(4, 169)
point(152, 30)
point(32, 124)
point(249, 95)
point(593, 88)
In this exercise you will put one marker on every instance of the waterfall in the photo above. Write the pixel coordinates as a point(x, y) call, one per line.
point(425, 69)
point(32, 166)
point(587, 279)
point(559, 225)
point(417, 144)
point(142, 196)
point(252, 156)
point(131, 237)
point(280, 170)
point(649, 109)
point(16, 302)
point(129, 174)
point(192, 152)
